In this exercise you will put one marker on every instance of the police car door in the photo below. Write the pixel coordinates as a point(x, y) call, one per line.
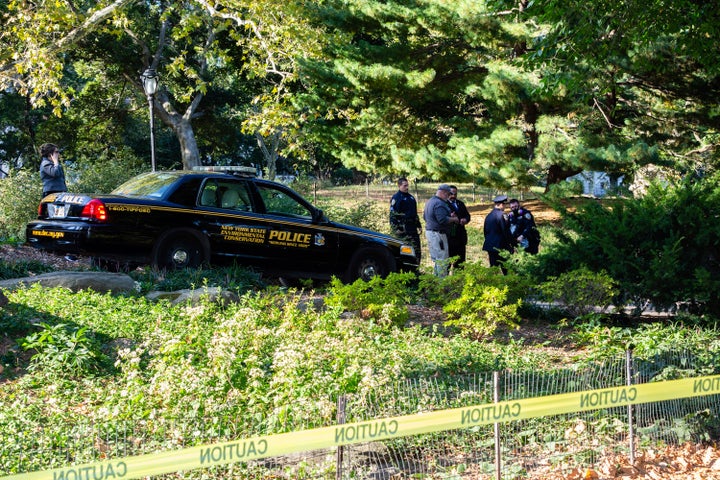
point(234, 230)
point(295, 243)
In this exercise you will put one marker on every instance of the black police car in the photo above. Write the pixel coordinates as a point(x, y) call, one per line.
point(178, 219)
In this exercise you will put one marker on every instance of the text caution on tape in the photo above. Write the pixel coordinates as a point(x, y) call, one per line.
point(382, 429)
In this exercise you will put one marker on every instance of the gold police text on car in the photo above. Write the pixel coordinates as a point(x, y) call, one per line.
point(43, 233)
point(234, 233)
point(284, 238)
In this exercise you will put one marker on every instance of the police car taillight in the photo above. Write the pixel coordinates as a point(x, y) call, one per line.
point(94, 210)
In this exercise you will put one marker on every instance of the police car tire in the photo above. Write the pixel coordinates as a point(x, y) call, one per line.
point(370, 262)
point(178, 249)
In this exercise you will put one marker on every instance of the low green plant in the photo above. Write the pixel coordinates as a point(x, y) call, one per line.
point(232, 277)
point(580, 292)
point(481, 308)
point(437, 291)
point(647, 340)
point(102, 172)
point(22, 268)
point(381, 299)
point(62, 349)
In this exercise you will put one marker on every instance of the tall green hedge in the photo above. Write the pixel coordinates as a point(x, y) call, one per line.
point(20, 195)
point(663, 249)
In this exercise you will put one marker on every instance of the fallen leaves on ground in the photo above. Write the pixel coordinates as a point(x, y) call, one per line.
point(683, 462)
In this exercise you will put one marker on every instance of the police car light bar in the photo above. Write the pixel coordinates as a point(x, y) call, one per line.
point(226, 169)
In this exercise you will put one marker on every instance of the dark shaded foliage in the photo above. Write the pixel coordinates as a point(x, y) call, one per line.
point(663, 248)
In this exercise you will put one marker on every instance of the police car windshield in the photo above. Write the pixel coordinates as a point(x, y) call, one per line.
point(150, 185)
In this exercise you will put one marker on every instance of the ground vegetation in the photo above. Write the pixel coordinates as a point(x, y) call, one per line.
point(133, 359)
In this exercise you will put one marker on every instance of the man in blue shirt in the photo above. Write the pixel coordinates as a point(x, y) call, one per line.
point(438, 219)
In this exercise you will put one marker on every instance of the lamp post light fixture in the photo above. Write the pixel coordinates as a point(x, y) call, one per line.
point(149, 80)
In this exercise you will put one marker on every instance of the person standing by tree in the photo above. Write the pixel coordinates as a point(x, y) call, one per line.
point(497, 233)
point(51, 171)
point(439, 217)
point(404, 218)
point(457, 238)
point(523, 228)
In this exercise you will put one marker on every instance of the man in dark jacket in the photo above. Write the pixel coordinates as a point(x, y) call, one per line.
point(497, 233)
point(523, 228)
point(457, 238)
point(404, 218)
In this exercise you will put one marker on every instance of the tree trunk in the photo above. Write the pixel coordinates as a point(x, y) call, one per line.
point(188, 145)
point(182, 127)
point(270, 153)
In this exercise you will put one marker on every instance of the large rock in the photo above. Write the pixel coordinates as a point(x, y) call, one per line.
point(98, 281)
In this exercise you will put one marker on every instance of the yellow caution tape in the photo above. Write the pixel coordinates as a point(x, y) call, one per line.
point(382, 429)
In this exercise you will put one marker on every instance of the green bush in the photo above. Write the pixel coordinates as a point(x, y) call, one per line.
point(661, 249)
point(580, 292)
point(435, 291)
point(365, 214)
point(481, 308)
point(20, 195)
point(383, 300)
point(566, 189)
point(62, 350)
point(477, 299)
point(102, 173)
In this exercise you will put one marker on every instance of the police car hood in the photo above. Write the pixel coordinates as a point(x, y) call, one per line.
point(364, 232)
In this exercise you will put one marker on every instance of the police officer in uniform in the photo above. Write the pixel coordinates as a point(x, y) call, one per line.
point(522, 227)
point(404, 218)
point(497, 233)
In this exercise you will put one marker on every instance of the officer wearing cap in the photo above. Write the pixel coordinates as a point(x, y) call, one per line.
point(438, 218)
point(497, 232)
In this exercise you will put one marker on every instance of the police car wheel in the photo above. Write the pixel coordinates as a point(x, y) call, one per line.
point(178, 252)
point(368, 263)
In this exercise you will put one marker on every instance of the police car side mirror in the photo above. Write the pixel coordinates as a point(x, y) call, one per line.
point(319, 216)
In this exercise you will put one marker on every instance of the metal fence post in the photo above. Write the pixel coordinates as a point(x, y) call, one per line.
point(496, 399)
point(341, 404)
point(631, 422)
